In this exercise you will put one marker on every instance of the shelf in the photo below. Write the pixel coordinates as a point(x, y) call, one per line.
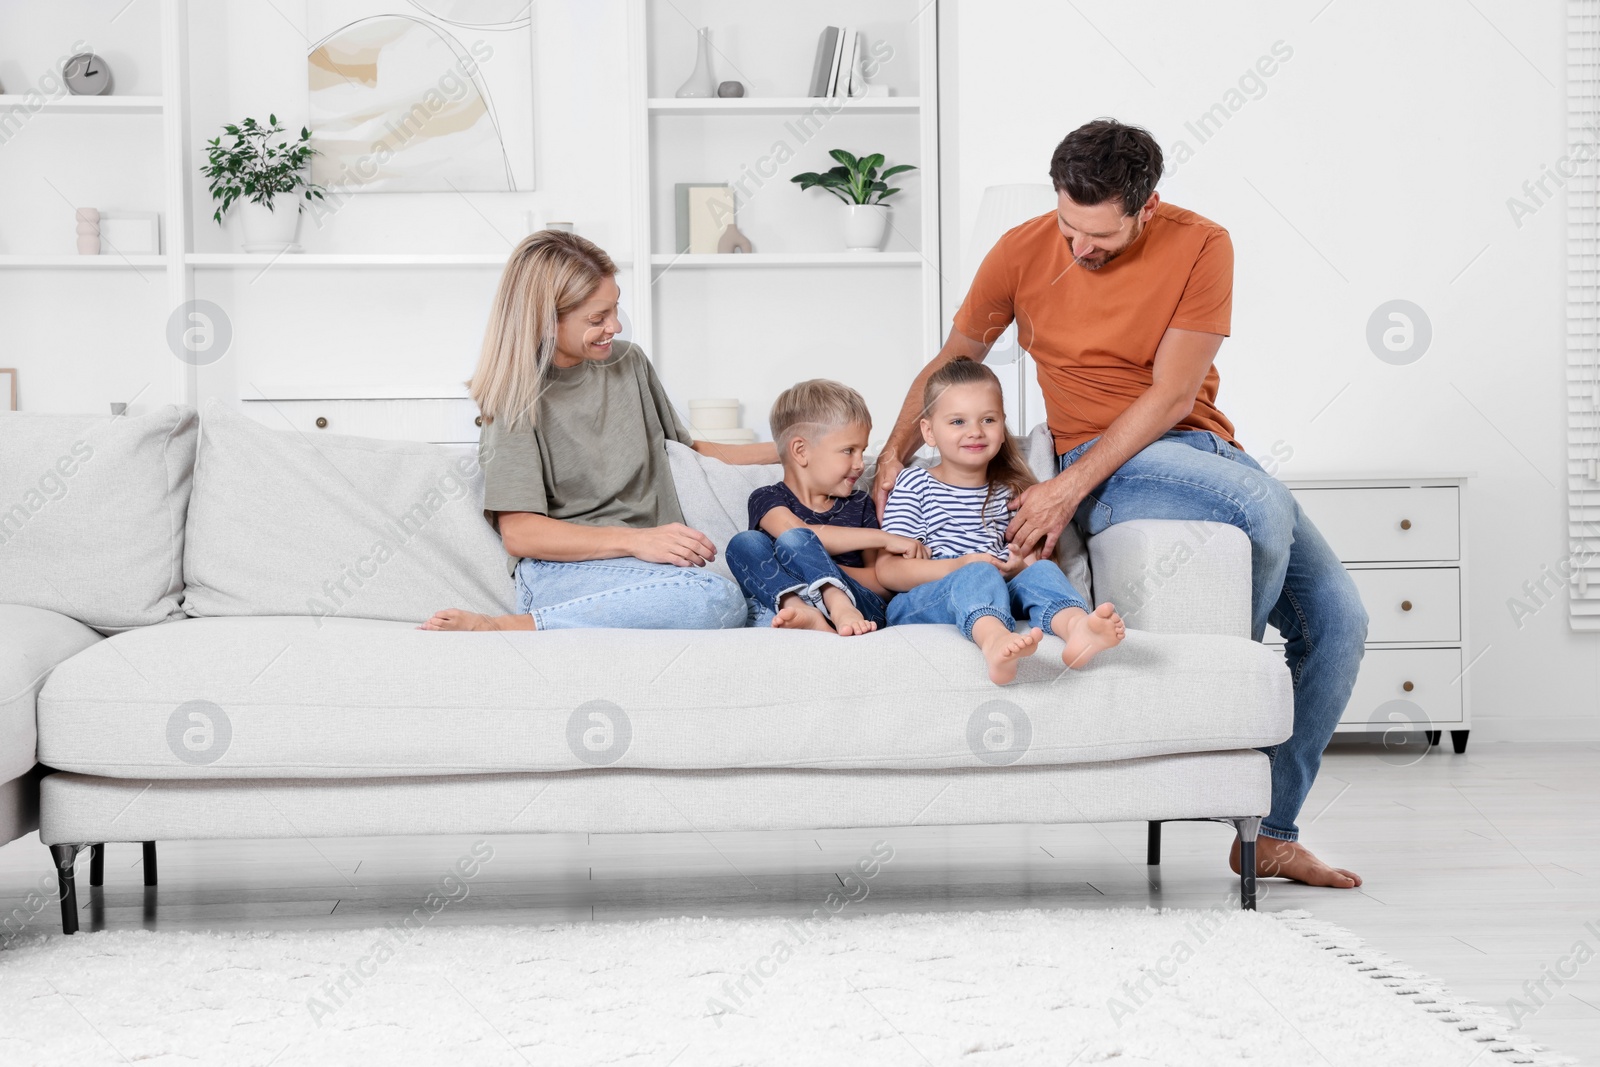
point(726, 260)
point(108, 262)
point(84, 105)
point(785, 105)
point(313, 260)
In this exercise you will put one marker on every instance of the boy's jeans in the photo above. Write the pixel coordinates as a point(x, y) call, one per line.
point(626, 593)
point(768, 569)
point(968, 593)
point(1297, 582)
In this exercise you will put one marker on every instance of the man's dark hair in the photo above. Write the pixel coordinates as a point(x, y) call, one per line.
point(1105, 160)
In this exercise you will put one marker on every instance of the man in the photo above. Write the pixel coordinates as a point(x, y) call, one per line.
point(1123, 302)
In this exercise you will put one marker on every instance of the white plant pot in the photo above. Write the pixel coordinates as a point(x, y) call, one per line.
point(864, 226)
point(270, 230)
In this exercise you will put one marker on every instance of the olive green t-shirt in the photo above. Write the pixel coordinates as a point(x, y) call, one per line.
point(596, 453)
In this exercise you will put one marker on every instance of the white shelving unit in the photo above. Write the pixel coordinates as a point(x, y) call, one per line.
point(82, 105)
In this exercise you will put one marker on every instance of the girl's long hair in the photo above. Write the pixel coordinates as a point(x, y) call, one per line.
point(549, 274)
point(1007, 468)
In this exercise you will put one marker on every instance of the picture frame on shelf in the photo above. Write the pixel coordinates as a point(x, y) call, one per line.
point(8, 388)
point(130, 233)
point(704, 211)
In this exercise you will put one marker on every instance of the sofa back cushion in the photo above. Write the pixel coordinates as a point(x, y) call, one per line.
point(92, 514)
point(288, 523)
point(713, 496)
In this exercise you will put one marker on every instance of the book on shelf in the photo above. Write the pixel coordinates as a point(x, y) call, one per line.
point(835, 71)
point(821, 70)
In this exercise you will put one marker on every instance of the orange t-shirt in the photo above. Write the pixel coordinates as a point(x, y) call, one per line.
point(1093, 333)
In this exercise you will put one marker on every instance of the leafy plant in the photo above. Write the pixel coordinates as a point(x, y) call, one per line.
point(855, 181)
point(256, 169)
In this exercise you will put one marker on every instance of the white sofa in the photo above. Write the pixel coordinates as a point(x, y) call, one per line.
point(214, 636)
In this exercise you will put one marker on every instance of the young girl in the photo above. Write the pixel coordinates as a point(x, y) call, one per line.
point(575, 474)
point(958, 509)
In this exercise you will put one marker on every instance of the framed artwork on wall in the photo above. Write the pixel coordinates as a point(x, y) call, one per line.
point(8, 388)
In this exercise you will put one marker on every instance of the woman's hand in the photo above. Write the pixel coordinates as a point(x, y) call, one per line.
point(674, 543)
point(909, 547)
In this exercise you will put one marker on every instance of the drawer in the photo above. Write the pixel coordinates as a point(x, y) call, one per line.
point(441, 420)
point(1387, 525)
point(1411, 603)
point(1434, 675)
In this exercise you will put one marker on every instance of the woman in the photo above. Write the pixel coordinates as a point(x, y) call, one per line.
point(576, 479)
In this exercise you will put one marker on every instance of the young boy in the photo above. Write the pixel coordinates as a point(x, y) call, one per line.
point(806, 562)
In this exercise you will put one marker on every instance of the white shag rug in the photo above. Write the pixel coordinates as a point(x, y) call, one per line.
point(1173, 988)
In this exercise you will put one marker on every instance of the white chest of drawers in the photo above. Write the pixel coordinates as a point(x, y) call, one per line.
point(1404, 543)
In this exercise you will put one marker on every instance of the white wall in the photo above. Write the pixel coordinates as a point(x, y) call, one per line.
point(1374, 164)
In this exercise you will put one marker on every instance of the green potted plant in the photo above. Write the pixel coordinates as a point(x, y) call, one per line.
point(857, 182)
point(264, 173)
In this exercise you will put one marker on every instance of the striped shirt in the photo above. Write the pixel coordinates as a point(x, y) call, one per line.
point(949, 519)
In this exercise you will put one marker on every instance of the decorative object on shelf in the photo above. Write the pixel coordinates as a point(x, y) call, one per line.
point(704, 212)
point(421, 95)
point(730, 90)
point(840, 68)
point(700, 83)
point(734, 240)
point(88, 219)
point(564, 227)
point(263, 177)
point(717, 420)
point(8, 386)
point(130, 233)
point(857, 182)
point(86, 74)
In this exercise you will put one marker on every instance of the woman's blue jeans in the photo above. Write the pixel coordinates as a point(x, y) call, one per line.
point(1297, 582)
point(769, 569)
point(968, 593)
point(626, 593)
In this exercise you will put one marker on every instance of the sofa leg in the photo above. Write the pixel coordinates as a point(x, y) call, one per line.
point(1152, 844)
point(149, 863)
point(1247, 861)
point(97, 864)
point(65, 857)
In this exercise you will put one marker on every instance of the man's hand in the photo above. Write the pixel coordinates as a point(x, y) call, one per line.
point(673, 543)
point(1042, 512)
point(889, 469)
point(909, 547)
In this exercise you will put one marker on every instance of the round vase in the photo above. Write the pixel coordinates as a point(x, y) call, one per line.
point(864, 227)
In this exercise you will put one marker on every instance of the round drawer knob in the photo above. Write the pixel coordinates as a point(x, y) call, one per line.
point(478, 421)
point(322, 423)
point(1407, 686)
point(1405, 605)
point(1405, 524)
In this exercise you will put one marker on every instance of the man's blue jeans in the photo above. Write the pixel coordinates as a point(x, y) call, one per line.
point(968, 593)
point(1297, 582)
point(768, 569)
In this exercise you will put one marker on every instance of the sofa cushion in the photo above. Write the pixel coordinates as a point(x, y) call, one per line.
point(713, 496)
point(32, 642)
point(288, 523)
point(285, 697)
point(92, 514)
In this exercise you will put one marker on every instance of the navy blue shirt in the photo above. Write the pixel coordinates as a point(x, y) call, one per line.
point(855, 510)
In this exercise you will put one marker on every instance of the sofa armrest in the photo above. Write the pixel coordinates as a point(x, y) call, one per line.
point(32, 642)
point(1169, 576)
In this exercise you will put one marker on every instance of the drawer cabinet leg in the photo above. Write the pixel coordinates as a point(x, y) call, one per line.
point(1433, 737)
point(1459, 739)
point(1152, 845)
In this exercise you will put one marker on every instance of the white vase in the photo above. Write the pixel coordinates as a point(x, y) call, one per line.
point(864, 226)
point(700, 84)
point(270, 230)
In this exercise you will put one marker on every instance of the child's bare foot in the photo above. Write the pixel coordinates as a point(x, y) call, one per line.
point(456, 619)
point(798, 615)
point(846, 617)
point(1276, 858)
point(1087, 634)
point(1003, 649)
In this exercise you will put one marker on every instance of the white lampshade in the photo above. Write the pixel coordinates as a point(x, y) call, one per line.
point(1002, 207)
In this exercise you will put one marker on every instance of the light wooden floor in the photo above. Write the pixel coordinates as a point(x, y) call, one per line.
point(1480, 869)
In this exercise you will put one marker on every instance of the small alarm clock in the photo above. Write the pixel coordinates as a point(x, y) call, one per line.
point(86, 74)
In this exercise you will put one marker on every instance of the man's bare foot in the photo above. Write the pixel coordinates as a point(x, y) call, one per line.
point(456, 619)
point(1087, 634)
point(798, 615)
point(1003, 649)
point(847, 618)
point(1290, 859)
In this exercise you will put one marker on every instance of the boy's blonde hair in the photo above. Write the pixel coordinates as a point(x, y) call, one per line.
point(549, 274)
point(811, 408)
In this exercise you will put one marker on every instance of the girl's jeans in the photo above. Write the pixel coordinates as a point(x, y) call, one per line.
point(768, 569)
point(626, 593)
point(965, 595)
point(1297, 582)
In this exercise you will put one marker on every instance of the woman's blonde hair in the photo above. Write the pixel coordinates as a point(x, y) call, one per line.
point(549, 274)
point(1008, 467)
